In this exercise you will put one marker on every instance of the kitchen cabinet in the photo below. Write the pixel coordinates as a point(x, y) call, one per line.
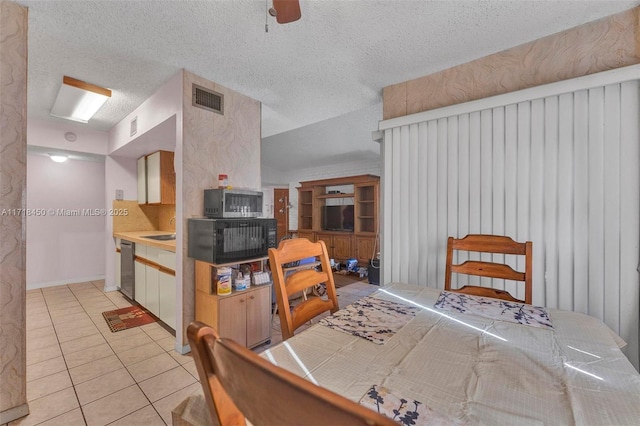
point(155, 287)
point(244, 316)
point(157, 178)
point(142, 180)
point(167, 298)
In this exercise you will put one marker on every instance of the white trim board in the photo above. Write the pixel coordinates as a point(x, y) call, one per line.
point(35, 286)
point(618, 75)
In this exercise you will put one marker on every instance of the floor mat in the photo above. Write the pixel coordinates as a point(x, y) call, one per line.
point(129, 317)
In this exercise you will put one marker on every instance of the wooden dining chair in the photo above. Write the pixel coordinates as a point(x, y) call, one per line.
point(239, 385)
point(490, 244)
point(287, 284)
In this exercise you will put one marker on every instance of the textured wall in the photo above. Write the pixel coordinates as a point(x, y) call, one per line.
point(214, 144)
point(609, 43)
point(13, 144)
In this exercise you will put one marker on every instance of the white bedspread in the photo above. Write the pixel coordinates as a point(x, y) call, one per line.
point(475, 370)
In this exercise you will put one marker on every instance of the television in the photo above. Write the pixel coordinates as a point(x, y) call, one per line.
point(337, 218)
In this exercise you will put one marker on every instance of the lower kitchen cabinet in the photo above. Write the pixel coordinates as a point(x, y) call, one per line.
point(244, 316)
point(155, 285)
point(140, 293)
point(153, 292)
point(167, 298)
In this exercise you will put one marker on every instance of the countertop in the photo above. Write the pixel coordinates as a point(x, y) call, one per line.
point(138, 237)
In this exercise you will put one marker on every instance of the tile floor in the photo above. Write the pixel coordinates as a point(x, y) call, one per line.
point(79, 372)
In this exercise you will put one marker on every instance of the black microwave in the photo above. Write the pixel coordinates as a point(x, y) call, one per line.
point(222, 241)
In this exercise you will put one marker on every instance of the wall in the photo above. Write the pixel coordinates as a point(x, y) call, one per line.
point(66, 244)
point(211, 144)
point(52, 135)
point(609, 43)
point(13, 162)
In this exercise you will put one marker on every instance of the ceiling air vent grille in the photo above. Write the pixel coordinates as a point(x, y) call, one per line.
point(207, 99)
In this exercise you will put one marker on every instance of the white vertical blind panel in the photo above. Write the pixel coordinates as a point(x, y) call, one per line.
point(550, 201)
point(413, 215)
point(565, 200)
point(510, 187)
point(536, 198)
point(612, 205)
point(581, 201)
point(561, 171)
point(423, 204)
point(523, 213)
point(596, 202)
point(629, 214)
point(463, 187)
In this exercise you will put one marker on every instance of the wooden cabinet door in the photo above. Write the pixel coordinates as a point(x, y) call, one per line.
point(366, 249)
point(342, 247)
point(258, 316)
point(308, 235)
point(328, 241)
point(232, 318)
point(167, 298)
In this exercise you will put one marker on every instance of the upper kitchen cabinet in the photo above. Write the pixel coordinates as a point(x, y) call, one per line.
point(157, 179)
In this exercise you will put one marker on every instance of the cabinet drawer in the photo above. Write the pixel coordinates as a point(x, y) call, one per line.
point(140, 250)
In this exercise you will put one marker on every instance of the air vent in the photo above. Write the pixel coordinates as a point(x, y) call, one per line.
point(207, 99)
point(134, 127)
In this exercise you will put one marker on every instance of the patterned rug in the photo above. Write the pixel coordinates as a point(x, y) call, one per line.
point(129, 317)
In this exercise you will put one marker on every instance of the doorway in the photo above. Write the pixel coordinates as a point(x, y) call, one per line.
point(281, 211)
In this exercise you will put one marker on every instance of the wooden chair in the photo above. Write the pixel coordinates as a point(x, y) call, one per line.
point(238, 385)
point(490, 244)
point(287, 252)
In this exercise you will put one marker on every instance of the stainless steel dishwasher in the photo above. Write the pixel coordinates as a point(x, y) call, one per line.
point(127, 274)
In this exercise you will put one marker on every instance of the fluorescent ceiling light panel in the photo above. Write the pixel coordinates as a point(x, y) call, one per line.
point(79, 101)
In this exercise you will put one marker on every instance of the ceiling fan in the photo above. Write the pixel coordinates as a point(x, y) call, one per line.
point(286, 11)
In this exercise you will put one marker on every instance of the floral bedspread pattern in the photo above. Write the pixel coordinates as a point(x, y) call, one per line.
point(402, 410)
point(371, 318)
point(501, 310)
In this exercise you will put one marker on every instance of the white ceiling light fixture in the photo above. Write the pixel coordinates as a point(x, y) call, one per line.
point(58, 158)
point(78, 100)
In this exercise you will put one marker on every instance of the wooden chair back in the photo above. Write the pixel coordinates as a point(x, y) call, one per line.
point(490, 244)
point(266, 394)
point(287, 284)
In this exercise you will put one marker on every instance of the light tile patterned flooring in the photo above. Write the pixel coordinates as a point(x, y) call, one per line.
point(79, 372)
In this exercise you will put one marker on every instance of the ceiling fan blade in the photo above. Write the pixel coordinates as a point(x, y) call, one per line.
point(287, 10)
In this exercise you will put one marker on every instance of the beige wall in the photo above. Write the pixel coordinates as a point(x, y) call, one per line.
point(13, 144)
point(214, 144)
point(608, 43)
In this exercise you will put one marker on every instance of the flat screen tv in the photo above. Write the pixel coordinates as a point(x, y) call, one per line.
point(337, 218)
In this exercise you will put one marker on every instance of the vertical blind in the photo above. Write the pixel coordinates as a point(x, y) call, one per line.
point(561, 171)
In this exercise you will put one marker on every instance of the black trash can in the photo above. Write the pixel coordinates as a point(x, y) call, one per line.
point(373, 272)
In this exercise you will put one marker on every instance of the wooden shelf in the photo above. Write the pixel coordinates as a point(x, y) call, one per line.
point(362, 240)
point(325, 196)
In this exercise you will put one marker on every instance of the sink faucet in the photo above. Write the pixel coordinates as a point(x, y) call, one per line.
point(172, 220)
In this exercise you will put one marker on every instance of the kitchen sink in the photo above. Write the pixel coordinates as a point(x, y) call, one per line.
point(163, 237)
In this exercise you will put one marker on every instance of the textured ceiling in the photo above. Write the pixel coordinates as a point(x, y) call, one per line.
point(335, 60)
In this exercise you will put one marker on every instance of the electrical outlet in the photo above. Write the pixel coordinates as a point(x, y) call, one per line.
point(119, 194)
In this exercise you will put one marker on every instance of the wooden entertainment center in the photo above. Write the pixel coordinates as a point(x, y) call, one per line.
point(363, 192)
